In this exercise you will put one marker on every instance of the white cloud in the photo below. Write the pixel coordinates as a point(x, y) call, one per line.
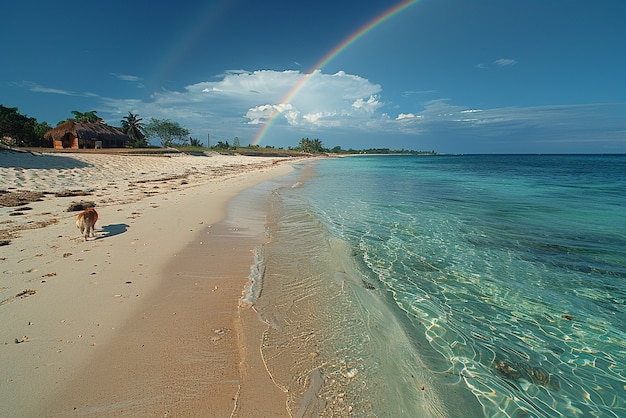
point(312, 99)
point(128, 78)
point(249, 86)
point(504, 62)
point(409, 93)
point(259, 114)
point(34, 87)
point(256, 115)
point(408, 116)
point(440, 115)
point(314, 118)
point(239, 103)
point(125, 77)
point(370, 105)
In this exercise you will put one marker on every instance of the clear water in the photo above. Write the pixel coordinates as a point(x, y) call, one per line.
point(449, 286)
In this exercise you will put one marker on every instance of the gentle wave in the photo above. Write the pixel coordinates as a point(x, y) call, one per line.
point(495, 280)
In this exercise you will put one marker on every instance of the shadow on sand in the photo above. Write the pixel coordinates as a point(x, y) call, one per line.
point(113, 230)
point(27, 160)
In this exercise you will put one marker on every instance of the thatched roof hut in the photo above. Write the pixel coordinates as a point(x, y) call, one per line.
point(83, 134)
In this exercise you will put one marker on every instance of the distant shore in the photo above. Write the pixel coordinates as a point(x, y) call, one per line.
point(145, 319)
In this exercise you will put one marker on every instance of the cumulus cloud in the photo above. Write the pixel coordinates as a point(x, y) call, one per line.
point(291, 96)
point(322, 100)
point(370, 105)
point(211, 90)
point(259, 114)
point(408, 116)
point(239, 103)
point(246, 86)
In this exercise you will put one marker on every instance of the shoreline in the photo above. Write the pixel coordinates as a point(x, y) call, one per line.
point(95, 308)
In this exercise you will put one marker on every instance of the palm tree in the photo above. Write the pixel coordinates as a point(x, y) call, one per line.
point(132, 126)
point(316, 146)
point(313, 146)
point(305, 144)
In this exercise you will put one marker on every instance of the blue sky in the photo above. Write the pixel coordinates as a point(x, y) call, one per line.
point(455, 76)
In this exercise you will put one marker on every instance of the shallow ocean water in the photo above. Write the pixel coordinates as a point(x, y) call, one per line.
point(449, 286)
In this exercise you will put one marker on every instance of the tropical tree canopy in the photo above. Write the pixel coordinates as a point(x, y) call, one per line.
point(90, 116)
point(313, 146)
point(222, 145)
point(195, 142)
point(41, 128)
point(167, 131)
point(21, 130)
point(132, 126)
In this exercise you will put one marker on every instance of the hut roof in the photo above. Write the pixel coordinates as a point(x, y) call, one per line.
point(86, 130)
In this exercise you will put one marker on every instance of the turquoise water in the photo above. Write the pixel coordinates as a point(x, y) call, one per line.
point(449, 286)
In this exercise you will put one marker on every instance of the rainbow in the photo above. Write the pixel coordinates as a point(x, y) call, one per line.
point(330, 56)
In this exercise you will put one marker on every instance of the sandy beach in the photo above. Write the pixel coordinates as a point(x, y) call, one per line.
point(145, 319)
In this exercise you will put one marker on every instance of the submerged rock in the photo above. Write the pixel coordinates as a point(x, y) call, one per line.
point(535, 375)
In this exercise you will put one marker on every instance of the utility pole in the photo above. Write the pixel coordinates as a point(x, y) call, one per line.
point(208, 140)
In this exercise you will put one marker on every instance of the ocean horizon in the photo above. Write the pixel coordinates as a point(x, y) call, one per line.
point(448, 285)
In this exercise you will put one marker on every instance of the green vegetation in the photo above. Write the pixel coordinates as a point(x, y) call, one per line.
point(132, 126)
point(312, 146)
point(194, 142)
point(384, 151)
point(90, 116)
point(315, 146)
point(170, 133)
point(40, 129)
point(22, 131)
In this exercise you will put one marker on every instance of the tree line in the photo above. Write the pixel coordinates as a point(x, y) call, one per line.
point(169, 133)
point(20, 130)
point(23, 131)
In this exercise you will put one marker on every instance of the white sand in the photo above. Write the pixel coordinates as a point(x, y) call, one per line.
point(68, 299)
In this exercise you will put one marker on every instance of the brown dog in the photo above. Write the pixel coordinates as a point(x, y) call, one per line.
point(86, 221)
